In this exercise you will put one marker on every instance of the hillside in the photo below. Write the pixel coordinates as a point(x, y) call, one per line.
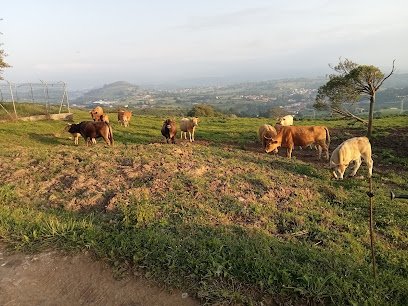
point(219, 218)
point(117, 91)
point(294, 96)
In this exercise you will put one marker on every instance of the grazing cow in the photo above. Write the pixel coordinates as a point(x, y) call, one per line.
point(74, 135)
point(124, 117)
point(352, 149)
point(96, 113)
point(266, 132)
point(169, 130)
point(285, 120)
point(290, 136)
point(188, 125)
point(90, 130)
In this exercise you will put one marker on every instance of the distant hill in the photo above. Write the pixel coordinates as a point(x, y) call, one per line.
point(247, 99)
point(117, 91)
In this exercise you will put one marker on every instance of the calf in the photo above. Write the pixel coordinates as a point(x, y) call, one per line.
point(124, 117)
point(352, 149)
point(188, 125)
point(90, 130)
point(169, 130)
point(266, 132)
point(290, 136)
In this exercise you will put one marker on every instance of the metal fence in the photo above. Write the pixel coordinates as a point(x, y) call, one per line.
point(51, 97)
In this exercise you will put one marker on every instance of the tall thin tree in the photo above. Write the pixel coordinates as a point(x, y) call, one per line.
point(349, 84)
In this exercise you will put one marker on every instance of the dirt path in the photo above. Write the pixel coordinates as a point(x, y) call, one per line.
point(54, 279)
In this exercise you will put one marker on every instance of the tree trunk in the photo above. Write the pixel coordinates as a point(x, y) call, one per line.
point(371, 116)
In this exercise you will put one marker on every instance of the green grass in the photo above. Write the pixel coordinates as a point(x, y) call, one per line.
point(218, 218)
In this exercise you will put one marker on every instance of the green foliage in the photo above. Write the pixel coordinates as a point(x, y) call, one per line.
point(203, 110)
point(3, 64)
point(350, 82)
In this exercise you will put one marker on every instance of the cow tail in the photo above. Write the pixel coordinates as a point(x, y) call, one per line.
point(327, 137)
point(110, 136)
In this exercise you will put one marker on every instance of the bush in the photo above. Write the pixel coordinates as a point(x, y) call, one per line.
point(203, 110)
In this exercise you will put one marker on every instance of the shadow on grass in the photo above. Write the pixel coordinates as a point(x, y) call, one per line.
point(47, 139)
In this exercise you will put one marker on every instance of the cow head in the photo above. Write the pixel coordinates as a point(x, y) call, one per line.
point(271, 145)
point(337, 170)
point(168, 123)
point(194, 120)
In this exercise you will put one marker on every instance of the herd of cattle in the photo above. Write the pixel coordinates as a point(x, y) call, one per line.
point(284, 134)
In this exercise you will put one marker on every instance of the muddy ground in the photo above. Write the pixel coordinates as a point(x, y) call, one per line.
point(53, 278)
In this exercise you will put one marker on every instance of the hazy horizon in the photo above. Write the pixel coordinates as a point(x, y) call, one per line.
point(88, 44)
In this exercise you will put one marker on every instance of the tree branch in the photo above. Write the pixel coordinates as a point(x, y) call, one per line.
point(348, 114)
point(392, 71)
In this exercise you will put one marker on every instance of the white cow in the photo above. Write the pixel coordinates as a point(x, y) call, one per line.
point(352, 149)
point(188, 125)
point(285, 120)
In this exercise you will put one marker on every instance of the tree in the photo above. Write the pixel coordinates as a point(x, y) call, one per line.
point(350, 83)
point(3, 64)
point(203, 110)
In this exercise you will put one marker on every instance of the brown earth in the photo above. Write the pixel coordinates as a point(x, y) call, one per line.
point(52, 278)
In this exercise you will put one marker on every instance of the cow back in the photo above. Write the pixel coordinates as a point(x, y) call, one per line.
point(301, 135)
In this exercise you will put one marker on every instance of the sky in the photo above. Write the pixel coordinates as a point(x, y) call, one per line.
point(88, 43)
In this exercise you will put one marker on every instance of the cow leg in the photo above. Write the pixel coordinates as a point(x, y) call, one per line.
point(369, 162)
point(357, 164)
point(319, 146)
point(189, 136)
point(289, 152)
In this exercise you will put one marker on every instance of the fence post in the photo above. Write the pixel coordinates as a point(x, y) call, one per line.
point(370, 196)
point(12, 99)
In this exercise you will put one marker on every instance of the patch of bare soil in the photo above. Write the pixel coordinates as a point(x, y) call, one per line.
point(54, 279)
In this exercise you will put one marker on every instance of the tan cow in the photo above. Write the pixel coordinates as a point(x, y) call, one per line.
point(188, 125)
point(96, 113)
point(351, 150)
point(103, 118)
point(266, 132)
point(124, 117)
point(290, 136)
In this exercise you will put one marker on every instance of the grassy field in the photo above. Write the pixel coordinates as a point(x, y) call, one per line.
point(219, 218)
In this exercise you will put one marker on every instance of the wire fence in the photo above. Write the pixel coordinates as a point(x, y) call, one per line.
point(30, 99)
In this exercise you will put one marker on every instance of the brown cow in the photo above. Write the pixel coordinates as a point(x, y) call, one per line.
point(290, 136)
point(169, 130)
point(124, 117)
point(91, 130)
point(266, 132)
point(96, 113)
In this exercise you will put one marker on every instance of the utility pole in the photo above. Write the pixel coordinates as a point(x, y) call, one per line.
point(403, 98)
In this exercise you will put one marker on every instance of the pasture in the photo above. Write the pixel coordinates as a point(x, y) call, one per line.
point(219, 218)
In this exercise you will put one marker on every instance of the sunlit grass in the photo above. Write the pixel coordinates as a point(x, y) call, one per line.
point(219, 217)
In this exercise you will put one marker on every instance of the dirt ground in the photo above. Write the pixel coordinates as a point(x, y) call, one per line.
point(54, 279)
